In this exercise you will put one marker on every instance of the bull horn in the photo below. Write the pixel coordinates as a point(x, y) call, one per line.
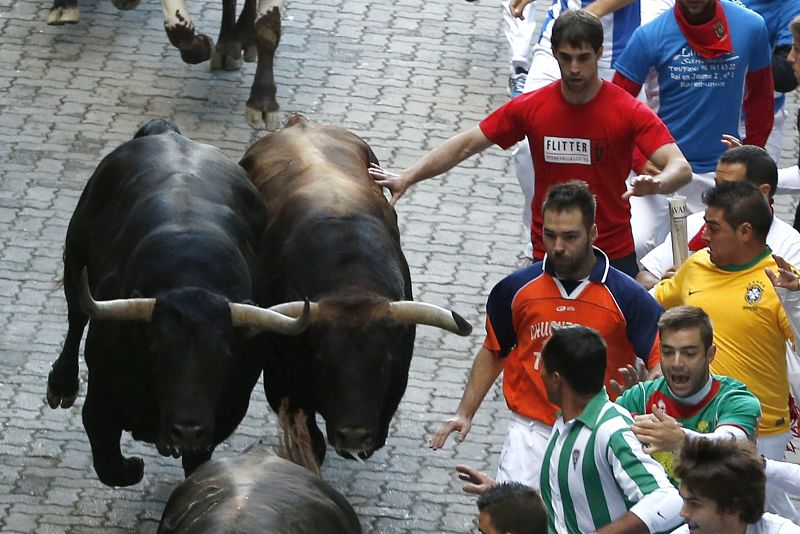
point(295, 308)
point(138, 309)
point(272, 319)
point(410, 312)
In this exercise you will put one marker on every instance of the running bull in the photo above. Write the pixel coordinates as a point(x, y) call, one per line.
point(163, 236)
point(333, 237)
point(253, 36)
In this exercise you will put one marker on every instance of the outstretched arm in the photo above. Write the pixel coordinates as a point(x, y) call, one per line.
point(675, 174)
point(439, 160)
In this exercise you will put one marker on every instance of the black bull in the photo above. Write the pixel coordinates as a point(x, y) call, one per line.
point(164, 234)
point(333, 237)
point(257, 492)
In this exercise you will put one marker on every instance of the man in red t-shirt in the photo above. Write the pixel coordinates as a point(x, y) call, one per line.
point(579, 127)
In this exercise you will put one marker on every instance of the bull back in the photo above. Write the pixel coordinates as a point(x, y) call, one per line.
point(257, 492)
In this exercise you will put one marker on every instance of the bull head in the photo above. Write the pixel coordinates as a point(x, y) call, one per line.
point(242, 315)
point(402, 312)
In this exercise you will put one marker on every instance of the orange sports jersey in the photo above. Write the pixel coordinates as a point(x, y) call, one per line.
point(526, 306)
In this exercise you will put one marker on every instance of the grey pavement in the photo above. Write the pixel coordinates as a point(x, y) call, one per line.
point(404, 75)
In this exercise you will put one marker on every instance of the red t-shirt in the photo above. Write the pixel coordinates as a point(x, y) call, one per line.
point(592, 142)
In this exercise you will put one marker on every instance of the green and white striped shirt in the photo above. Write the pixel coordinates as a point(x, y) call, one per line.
point(594, 470)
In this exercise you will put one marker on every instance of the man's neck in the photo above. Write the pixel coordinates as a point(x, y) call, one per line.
point(748, 255)
point(572, 405)
point(582, 97)
point(695, 397)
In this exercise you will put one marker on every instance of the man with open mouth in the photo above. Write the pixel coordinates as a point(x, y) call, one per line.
point(688, 400)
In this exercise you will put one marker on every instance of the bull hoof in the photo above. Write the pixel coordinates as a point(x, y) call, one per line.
point(125, 4)
point(250, 53)
point(199, 51)
point(61, 393)
point(222, 61)
point(130, 472)
point(59, 16)
point(257, 118)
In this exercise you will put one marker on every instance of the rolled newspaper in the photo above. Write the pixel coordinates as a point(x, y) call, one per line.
point(677, 227)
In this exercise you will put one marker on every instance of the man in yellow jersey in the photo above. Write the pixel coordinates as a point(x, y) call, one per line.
point(729, 282)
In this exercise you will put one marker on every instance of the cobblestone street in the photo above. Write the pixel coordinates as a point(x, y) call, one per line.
point(404, 76)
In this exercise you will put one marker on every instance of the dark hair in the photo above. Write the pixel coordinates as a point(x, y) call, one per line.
point(576, 27)
point(794, 26)
point(569, 195)
point(682, 317)
point(578, 354)
point(761, 168)
point(728, 472)
point(515, 508)
point(741, 202)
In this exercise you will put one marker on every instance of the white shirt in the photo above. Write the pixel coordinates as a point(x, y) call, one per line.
point(768, 524)
point(782, 238)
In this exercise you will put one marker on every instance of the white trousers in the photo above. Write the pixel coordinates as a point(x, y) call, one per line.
point(520, 35)
point(523, 451)
point(774, 448)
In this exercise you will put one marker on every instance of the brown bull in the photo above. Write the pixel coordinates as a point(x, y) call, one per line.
point(333, 237)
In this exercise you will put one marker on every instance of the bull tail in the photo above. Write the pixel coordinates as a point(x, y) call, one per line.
point(295, 441)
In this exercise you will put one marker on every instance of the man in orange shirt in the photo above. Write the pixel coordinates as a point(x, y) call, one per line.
point(574, 284)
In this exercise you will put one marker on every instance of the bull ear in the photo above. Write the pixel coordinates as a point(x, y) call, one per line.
point(410, 312)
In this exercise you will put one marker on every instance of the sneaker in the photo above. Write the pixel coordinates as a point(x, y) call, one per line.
point(516, 82)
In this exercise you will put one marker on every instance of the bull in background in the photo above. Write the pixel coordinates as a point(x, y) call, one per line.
point(259, 492)
point(333, 237)
point(163, 236)
point(253, 36)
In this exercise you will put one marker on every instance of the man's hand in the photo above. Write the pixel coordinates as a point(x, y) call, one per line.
point(786, 276)
point(658, 431)
point(477, 481)
point(643, 185)
point(730, 141)
point(516, 7)
point(395, 183)
point(459, 423)
point(630, 377)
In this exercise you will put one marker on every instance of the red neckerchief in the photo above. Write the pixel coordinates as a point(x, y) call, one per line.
point(698, 243)
point(709, 40)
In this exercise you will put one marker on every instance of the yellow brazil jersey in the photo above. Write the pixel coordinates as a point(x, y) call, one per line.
point(750, 327)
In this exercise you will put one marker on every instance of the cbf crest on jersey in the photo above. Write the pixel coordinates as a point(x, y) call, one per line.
point(754, 292)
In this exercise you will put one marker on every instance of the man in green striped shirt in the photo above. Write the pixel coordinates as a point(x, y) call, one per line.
point(595, 476)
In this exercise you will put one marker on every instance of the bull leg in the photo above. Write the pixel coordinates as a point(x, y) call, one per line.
point(104, 432)
point(262, 106)
point(62, 383)
point(64, 12)
point(194, 47)
point(227, 54)
point(192, 461)
point(245, 30)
